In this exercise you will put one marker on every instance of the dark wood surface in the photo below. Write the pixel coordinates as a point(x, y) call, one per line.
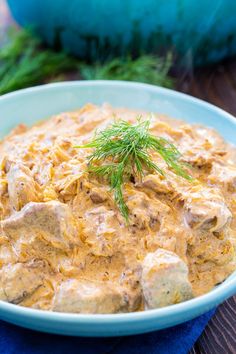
point(219, 337)
point(215, 84)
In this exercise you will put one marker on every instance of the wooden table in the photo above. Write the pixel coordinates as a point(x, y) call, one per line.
point(216, 84)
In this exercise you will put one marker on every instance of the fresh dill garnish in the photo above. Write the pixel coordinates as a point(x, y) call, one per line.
point(122, 151)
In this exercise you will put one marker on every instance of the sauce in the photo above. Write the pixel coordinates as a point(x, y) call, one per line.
point(64, 245)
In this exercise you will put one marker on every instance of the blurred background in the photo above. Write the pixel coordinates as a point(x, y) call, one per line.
point(186, 45)
point(183, 44)
point(197, 32)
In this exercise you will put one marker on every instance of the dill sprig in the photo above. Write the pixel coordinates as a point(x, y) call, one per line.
point(26, 61)
point(146, 68)
point(122, 150)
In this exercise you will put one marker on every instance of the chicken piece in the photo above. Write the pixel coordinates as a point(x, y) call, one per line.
point(7, 254)
point(100, 229)
point(201, 146)
point(144, 212)
point(130, 285)
point(206, 209)
point(164, 279)
point(51, 222)
point(208, 247)
point(224, 175)
point(90, 297)
point(22, 188)
point(20, 280)
point(98, 195)
point(157, 183)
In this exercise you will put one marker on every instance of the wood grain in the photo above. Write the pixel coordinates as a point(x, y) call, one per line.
point(215, 84)
point(219, 336)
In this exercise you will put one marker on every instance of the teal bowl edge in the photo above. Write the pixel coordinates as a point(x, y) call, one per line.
point(45, 100)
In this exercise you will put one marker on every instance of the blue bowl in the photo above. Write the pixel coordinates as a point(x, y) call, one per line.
point(32, 104)
point(198, 31)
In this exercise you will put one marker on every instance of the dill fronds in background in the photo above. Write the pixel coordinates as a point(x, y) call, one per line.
point(147, 68)
point(24, 62)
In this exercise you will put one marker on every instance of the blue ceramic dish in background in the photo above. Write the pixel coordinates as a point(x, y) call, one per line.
point(30, 105)
point(198, 31)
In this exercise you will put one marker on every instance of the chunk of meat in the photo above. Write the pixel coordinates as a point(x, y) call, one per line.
point(157, 183)
point(101, 225)
point(7, 254)
point(164, 279)
point(52, 222)
point(208, 247)
point(206, 209)
point(22, 188)
point(201, 146)
point(20, 280)
point(144, 212)
point(97, 195)
point(90, 297)
point(225, 175)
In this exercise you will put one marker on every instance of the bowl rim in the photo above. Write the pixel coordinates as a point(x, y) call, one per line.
point(131, 84)
point(221, 292)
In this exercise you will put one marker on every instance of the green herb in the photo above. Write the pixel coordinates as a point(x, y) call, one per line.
point(123, 149)
point(24, 62)
point(147, 68)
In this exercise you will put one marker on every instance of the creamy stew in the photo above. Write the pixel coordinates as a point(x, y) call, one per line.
point(65, 246)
